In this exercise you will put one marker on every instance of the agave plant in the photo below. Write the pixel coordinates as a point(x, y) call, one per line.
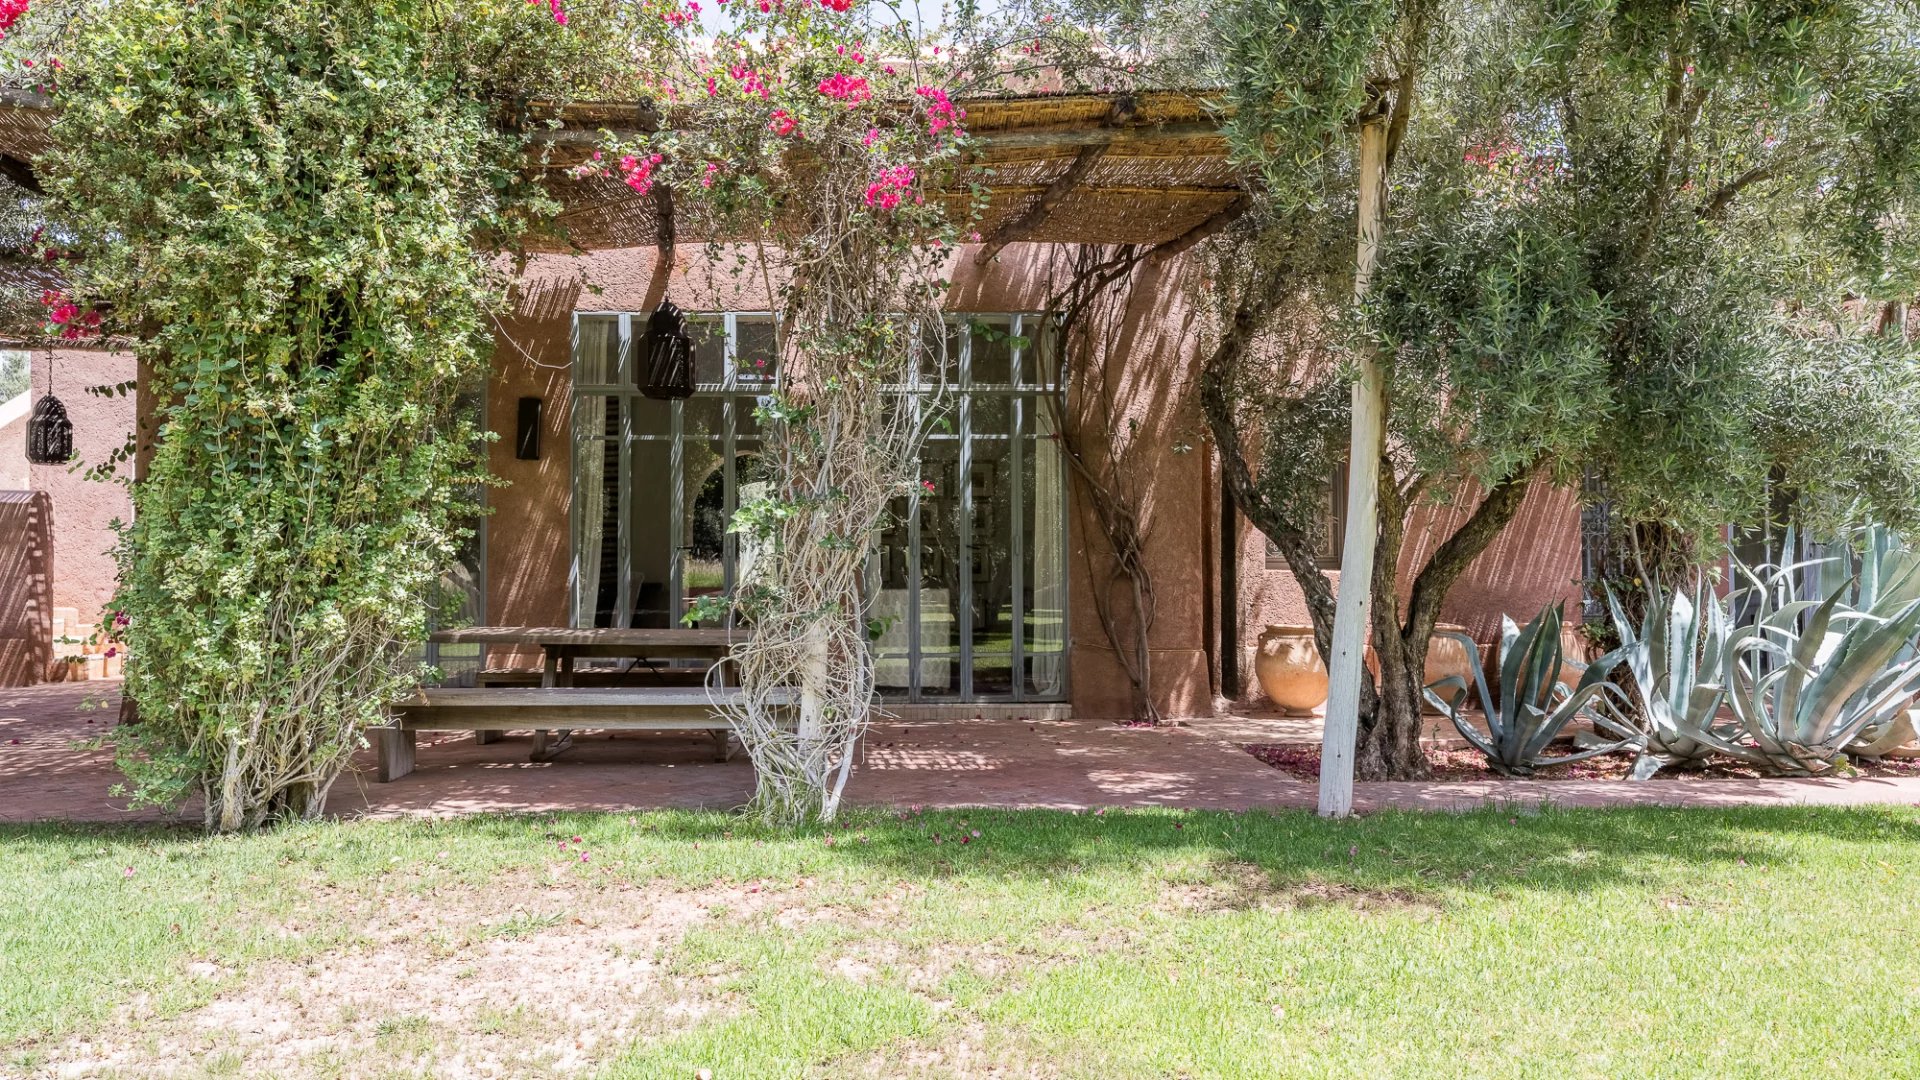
point(1808, 679)
point(1889, 577)
point(1678, 659)
point(1534, 706)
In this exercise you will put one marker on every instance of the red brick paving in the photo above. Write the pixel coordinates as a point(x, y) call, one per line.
point(1064, 764)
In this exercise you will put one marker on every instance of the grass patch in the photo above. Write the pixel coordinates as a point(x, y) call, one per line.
point(1751, 942)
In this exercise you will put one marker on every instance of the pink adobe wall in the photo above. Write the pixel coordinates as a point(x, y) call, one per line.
point(527, 533)
point(1534, 562)
point(1152, 380)
point(14, 474)
point(26, 587)
point(84, 510)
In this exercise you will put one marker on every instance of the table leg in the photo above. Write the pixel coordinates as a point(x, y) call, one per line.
point(558, 673)
point(395, 748)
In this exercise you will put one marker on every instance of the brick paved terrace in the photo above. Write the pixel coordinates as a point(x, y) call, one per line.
point(1008, 763)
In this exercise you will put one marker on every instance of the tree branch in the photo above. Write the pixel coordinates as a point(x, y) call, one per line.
point(1452, 557)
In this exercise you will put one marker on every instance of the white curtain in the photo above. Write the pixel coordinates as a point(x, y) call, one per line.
point(1046, 638)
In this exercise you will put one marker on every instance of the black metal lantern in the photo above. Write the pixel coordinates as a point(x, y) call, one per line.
point(669, 354)
point(49, 432)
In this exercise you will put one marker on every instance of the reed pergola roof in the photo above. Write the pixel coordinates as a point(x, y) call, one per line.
point(1145, 168)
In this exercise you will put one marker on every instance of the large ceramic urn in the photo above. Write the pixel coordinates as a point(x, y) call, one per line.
point(1290, 670)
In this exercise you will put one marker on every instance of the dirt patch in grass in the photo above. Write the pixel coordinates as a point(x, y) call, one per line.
point(539, 981)
point(1302, 762)
point(1245, 887)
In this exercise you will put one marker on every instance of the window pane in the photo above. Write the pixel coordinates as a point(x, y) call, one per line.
point(596, 359)
point(892, 602)
point(940, 357)
point(596, 509)
point(940, 563)
point(703, 513)
point(1044, 585)
point(995, 490)
point(709, 350)
point(1039, 360)
point(755, 360)
point(992, 357)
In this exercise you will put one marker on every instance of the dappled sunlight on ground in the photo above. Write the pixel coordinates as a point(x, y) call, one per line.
point(1067, 764)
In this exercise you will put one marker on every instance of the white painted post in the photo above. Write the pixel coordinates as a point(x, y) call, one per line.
point(1350, 620)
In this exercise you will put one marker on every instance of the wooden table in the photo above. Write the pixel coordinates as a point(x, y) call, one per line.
point(563, 645)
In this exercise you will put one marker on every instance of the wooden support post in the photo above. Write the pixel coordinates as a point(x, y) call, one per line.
point(393, 748)
point(485, 737)
point(1345, 669)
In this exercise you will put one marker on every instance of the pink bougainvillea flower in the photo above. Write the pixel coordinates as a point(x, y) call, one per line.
point(927, 486)
point(886, 192)
point(706, 179)
point(941, 113)
point(11, 12)
point(847, 88)
point(872, 136)
point(782, 122)
point(639, 177)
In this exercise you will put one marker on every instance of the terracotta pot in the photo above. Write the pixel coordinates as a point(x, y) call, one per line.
point(1575, 653)
point(1289, 669)
point(1447, 656)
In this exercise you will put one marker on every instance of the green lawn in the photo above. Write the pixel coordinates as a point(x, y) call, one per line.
point(1564, 943)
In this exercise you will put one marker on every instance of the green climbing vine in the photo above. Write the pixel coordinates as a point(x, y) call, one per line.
point(295, 211)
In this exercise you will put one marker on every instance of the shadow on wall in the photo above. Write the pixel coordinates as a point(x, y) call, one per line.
point(1134, 387)
point(26, 587)
point(527, 543)
point(1534, 562)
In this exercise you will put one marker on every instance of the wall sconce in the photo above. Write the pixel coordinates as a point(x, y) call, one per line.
point(526, 443)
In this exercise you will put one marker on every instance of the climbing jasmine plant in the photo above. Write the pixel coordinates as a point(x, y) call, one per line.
point(291, 211)
point(821, 139)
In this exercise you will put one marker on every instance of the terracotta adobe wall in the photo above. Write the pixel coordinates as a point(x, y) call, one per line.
point(13, 444)
point(26, 587)
point(1150, 373)
point(84, 510)
point(527, 534)
point(1534, 562)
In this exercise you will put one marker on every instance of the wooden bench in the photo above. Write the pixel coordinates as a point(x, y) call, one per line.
point(481, 709)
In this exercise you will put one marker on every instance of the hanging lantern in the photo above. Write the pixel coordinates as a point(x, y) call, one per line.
point(49, 433)
point(669, 354)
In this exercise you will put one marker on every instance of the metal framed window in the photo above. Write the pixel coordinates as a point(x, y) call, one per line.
point(968, 578)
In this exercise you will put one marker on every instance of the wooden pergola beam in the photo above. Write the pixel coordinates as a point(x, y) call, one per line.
point(1018, 226)
point(1023, 223)
point(1025, 139)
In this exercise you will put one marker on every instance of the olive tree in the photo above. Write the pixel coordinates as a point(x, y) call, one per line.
point(1617, 241)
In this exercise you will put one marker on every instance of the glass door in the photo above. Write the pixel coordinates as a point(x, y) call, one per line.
point(967, 580)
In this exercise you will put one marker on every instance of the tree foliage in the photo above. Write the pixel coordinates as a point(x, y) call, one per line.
point(1622, 240)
